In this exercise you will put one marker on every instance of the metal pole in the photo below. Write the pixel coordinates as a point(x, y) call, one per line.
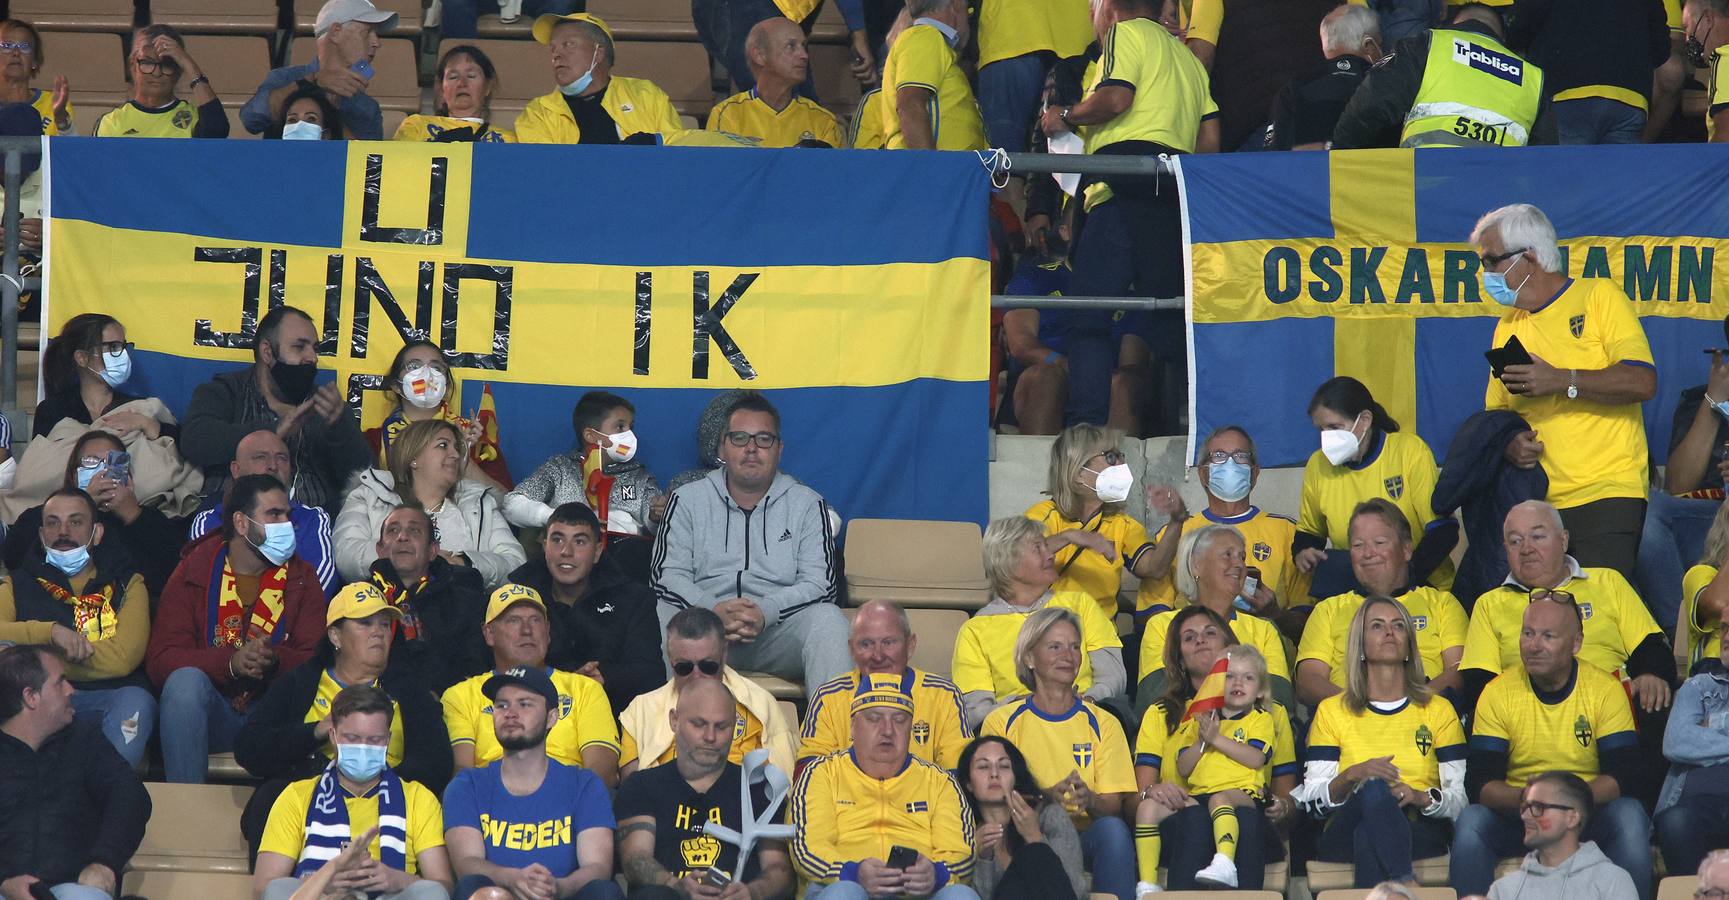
point(1089, 164)
point(1150, 304)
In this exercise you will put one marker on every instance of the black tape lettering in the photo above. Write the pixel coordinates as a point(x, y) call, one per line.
point(278, 279)
point(369, 286)
point(644, 317)
point(333, 266)
point(502, 278)
point(204, 334)
point(706, 324)
point(370, 230)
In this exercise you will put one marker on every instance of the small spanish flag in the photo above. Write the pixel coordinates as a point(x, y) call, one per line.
point(1211, 696)
point(486, 449)
point(596, 484)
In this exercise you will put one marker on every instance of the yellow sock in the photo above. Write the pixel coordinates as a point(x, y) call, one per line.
point(1147, 852)
point(1225, 831)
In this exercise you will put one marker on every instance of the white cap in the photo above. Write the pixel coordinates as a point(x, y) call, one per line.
point(339, 12)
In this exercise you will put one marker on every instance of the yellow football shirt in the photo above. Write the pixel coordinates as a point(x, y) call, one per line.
point(1567, 732)
point(285, 829)
point(1703, 638)
point(1086, 739)
point(132, 120)
point(328, 688)
point(867, 123)
point(842, 816)
point(1215, 771)
point(746, 114)
point(44, 104)
point(1591, 451)
point(1252, 630)
point(1418, 737)
point(1172, 93)
point(1011, 28)
point(1086, 571)
point(1267, 538)
point(584, 719)
point(1616, 621)
point(746, 736)
point(1203, 19)
point(1156, 746)
point(422, 129)
point(1399, 469)
point(922, 58)
point(939, 729)
point(984, 657)
point(1438, 617)
point(1717, 92)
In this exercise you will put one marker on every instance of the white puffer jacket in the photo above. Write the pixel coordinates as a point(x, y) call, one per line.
point(371, 497)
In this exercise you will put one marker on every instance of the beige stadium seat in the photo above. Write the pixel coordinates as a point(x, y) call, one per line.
point(646, 20)
point(183, 885)
point(524, 73)
point(680, 69)
point(222, 767)
point(782, 689)
point(1677, 887)
point(1219, 895)
point(1423, 893)
point(89, 115)
point(409, 15)
point(395, 79)
point(830, 27)
point(235, 63)
point(1324, 876)
point(1273, 879)
point(392, 121)
point(114, 16)
point(936, 630)
point(790, 710)
point(916, 564)
point(831, 72)
point(259, 17)
point(95, 69)
point(194, 828)
point(236, 128)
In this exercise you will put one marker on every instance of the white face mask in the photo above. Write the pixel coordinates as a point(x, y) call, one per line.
point(1113, 483)
point(303, 131)
point(423, 387)
point(1340, 446)
point(623, 447)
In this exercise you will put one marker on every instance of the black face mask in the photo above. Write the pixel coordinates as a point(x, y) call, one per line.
point(293, 380)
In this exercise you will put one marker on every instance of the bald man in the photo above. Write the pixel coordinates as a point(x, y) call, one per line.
point(263, 453)
point(661, 811)
point(881, 643)
point(779, 57)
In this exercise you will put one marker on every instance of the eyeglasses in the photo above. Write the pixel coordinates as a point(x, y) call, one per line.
point(1241, 457)
point(1710, 893)
point(17, 46)
point(1553, 596)
point(1112, 457)
point(113, 347)
point(763, 439)
point(1500, 258)
point(1537, 809)
point(151, 66)
point(684, 667)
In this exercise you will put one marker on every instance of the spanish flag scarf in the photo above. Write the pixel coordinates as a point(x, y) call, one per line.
point(92, 614)
point(228, 622)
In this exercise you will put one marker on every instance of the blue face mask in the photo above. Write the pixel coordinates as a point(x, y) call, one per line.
point(360, 762)
point(278, 543)
point(575, 88)
point(69, 561)
point(87, 474)
point(1495, 285)
point(116, 368)
point(1228, 481)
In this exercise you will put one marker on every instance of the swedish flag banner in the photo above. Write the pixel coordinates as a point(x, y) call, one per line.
point(1303, 266)
point(851, 287)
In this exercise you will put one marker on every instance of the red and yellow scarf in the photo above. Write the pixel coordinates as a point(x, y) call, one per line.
point(402, 597)
point(229, 623)
point(92, 614)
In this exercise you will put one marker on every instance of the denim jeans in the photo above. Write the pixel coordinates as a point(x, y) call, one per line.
point(723, 27)
point(1672, 542)
point(598, 889)
point(460, 16)
point(852, 890)
point(1598, 120)
point(1482, 837)
point(1108, 850)
point(127, 714)
point(1009, 93)
point(196, 721)
point(1689, 830)
point(1373, 833)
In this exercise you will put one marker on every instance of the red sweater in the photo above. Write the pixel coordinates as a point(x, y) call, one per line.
point(179, 637)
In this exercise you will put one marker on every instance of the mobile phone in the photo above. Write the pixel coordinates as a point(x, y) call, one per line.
point(716, 877)
point(119, 466)
point(363, 68)
point(902, 857)
point(1251, 584)
point(1512, 354)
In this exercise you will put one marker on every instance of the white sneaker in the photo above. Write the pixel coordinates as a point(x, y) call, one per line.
point(1221, 872)
point(1143, 888)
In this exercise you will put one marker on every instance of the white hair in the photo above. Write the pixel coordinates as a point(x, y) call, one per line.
point(1714, 858)
point(1344, 29)
point(1522, 226)
point(1194, 544)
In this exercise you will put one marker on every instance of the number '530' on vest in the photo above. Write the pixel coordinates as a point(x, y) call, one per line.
point(1475, 91)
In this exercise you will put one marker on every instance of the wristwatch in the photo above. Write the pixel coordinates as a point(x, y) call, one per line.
point(1064, 114)
point(1572, 384)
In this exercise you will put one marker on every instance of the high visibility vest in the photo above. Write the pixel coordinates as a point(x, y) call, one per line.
point(1475, 92)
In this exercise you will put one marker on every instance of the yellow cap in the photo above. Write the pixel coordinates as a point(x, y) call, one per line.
point(509, 595)
point(357, 601)
point(882, 690)
point(543, 26)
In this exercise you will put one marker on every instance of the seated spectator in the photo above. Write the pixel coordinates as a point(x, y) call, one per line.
point(1691, 812)
point(100, 467)
point(82, 371)
point(771, 111)
point(428, 461)
point(421, 389)
point(1713, 875)
point(516, 629)
point(1362, 773)
point(461, 17)
point(1705, 595)
point(87, 598)
point(604, 625)
point(239, 610)
point(696, 648)
point(288, 735)
point(624, 494)
point(927, 103)
point(1364, 455)
point(486, 810)
point(1558, 712)
point(23, 58)
point(358, 791)
point(1681, 510)
point(1307, 110)
point(882, 640)
point(661, 811)
point(1086, 523)
point(1038, 371)
point(850, 810)
point(263, 453)
point(1598, 59)
point(440, 604)
point(277, 393)
point(778, 602)
point(79, 809)
point(591, 105)
point(1555, 810)
point(1077, 751)
point(1228, 471)
point(157, 61)
point(1706, 25)
point(1210, 571)
point(1025, 844)
point(1171, 821)
point(1380, 542)
point(307, 115)
point(462, 90)
point(1018, 563)
point(347, 32)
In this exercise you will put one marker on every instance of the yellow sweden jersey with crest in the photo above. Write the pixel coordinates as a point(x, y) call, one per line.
point(1616, 622)
point(939, 729)
point(1086, 571)
point(584, 718)
point(1156, 746)
point(843, 816)
point(1400, 469)
point(429, 128)
point(746, 114)
point(1086, 739)
point(1437, 615)
point(1249, 629)
point(328, 688)
point(984, 657)
point(1702, 638)
point(1568, 732)
point(1418, 738)
point(922, 58)
point(132, 120)
point(1267, 544)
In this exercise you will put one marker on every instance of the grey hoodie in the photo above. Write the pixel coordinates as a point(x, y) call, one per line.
point(780, 554)
point(1586, 875)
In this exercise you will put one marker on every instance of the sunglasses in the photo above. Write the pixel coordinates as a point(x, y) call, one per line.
point(1553, 596)
point(684, 667)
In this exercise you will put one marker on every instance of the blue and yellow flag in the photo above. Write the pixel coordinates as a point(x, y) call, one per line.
point(851, 287)
point(1308, 265)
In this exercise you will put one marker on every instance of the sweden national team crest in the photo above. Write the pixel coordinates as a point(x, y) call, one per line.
point(1083, 755)
point(1419, 622)
point(921, 732)
point(1582, 731)
point(919, 806)
point(182, 118)
point(1395, 486)
point(565, 705)
point(1425, 739)
point(1585, 611)
point(1577, 325)
point(1262, 551)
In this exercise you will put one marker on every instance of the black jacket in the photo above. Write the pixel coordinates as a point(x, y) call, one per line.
point(1263, 44)
point(55, 407)
point(451, 610)
point(1476, 476)
point(67, 804)
point(1585, 42)
point(152, 543)
point(614, 624)
point(1308, 108)
point(277, 743)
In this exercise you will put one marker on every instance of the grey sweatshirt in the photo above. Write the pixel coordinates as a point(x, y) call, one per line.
point(779, 554)
point(1586, 875)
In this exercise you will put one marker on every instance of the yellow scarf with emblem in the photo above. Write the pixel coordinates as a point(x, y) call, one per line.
point(92, 614)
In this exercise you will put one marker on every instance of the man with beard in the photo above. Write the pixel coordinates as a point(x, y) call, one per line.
point(277, 393)
point(528, 826)
point(263, 453)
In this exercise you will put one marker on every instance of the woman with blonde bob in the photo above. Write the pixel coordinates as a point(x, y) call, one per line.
point(1090, 532)
point(1386, 744)
point(1705, 595)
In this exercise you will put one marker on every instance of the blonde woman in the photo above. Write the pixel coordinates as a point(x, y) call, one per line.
point(1091, 534)
point(1705, 594)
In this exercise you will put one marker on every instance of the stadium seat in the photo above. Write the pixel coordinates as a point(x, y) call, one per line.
point(94, 66)
point(1273, 879)
point(194, 828)
point(236, 128)
point(782, 689)
point(222, 767)
point(177, 885)
point(524, 73)
point(90, 114)
point(790, 710)
point(916, 564)
point(1217, 895)
point(239, 63)
point(1677, 887)
point(1324, 876)
point(392, 121)
point(642, 20)
point(831, 72)
point(114, 16)
point(396, 73)
point(256, 17)
point(936, 630)
point(1423, 893)
point(409, 16)
point(680, 69)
